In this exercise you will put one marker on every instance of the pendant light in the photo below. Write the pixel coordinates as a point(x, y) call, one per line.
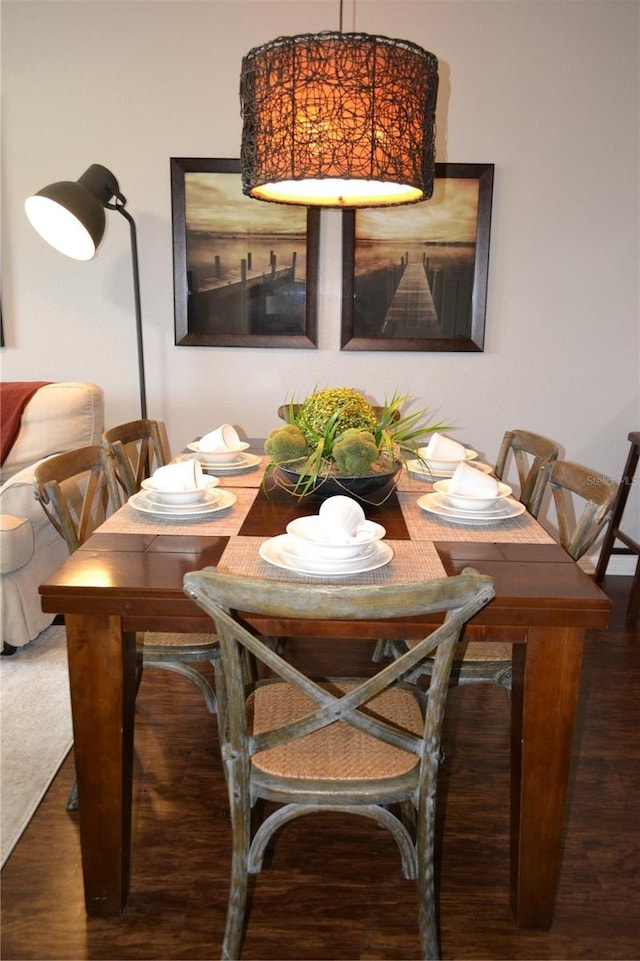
point(338, 120)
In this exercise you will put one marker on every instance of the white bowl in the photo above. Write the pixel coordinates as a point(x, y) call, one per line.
point(218, 456)
point(182, 497)
point(436, 463)
point(472, 502)
point(312, 533)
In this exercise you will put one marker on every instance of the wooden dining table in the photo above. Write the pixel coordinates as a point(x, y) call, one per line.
point(128, 577)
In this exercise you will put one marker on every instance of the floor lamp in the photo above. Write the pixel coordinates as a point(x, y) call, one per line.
point(69, 215)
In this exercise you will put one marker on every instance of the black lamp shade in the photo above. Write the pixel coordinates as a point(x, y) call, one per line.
point(69, 214)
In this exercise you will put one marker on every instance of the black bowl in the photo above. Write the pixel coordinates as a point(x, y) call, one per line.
point(373, 488)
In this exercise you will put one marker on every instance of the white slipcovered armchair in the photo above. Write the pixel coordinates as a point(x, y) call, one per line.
point(58, 417)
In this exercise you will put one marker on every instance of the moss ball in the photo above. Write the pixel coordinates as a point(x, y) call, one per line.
point(316, 411)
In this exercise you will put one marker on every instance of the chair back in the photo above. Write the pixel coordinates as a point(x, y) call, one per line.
point(137, 448)
point(367, 746)
point(531, 454)
point(222, 596)
point(77, 492)
point(583, 501)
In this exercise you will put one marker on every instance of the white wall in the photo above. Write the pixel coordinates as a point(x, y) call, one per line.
point(548, 91)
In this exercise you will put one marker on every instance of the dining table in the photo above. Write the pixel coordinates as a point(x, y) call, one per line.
point(128, 577)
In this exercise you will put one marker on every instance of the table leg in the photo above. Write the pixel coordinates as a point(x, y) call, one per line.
point(545, 696)
point(102, 672)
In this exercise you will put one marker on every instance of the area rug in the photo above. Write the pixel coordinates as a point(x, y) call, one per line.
point(36, 733)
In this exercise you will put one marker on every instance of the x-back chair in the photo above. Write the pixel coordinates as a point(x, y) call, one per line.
point(77, 490)
point(137, 449)
point(356, 745)
point(485, 662)
point(531, 453)
point(583, 500)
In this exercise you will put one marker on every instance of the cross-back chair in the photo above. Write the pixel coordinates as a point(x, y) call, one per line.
point(137, 448)
point(583, 500)
point(530, 453)
point(356, 745)
point(78, 490)
point(486, 662)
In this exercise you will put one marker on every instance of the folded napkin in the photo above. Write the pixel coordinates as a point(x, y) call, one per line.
point(340, 517)
point(186, 475)
point(470, 482)
point(443, 448)
point(224, 437)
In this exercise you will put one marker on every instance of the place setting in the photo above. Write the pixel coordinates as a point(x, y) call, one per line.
point(338, 540)
point(440, 458)
point(470, 496)
point(221, 452)
point(182, 490)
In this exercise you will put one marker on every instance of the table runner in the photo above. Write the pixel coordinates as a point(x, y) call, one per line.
point(412, 561)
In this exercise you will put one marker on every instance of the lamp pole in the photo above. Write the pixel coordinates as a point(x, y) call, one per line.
point(136, 293)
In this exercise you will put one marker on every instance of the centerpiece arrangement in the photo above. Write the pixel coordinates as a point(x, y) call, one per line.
point(336, 442)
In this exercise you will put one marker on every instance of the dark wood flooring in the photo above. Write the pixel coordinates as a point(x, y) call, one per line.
point(333, 888)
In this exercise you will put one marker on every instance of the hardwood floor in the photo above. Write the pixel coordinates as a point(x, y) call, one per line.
point(333, 888)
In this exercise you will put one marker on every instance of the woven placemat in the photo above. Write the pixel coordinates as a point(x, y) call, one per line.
point(412, 561)
point(424, 526)
point(128, 520)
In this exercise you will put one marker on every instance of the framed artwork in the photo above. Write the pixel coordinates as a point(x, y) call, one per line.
point(245, 271)
point(415, 277)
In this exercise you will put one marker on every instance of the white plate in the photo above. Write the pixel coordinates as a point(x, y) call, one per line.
point(272, 552)
point(433, 504)
point(245, 462)
point(215, 500)
point(218, 457)
point(418, 467)
point(498, 509)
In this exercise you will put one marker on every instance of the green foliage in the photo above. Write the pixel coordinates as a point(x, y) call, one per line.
point(339, 433)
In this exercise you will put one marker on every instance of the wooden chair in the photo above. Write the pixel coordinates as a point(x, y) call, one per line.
point(77, 491)
point(355, 745)
point(531, 453)
point(615, 532)
point(137, 448)
point(583, 501)
point(490, 663)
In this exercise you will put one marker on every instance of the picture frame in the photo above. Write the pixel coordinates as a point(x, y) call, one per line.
point(245, 271)
point(415, 277)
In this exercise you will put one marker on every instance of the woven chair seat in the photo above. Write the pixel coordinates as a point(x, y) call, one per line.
point(477, 651)
point(338, 751)
point(192, 647)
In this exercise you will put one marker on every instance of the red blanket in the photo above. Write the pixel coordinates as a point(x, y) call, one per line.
point(14, 397)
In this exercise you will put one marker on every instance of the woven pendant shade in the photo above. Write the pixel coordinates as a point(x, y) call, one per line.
point(338, 120)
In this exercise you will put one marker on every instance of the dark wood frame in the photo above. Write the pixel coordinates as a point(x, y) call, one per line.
point(186, 329)
point(474, 296)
